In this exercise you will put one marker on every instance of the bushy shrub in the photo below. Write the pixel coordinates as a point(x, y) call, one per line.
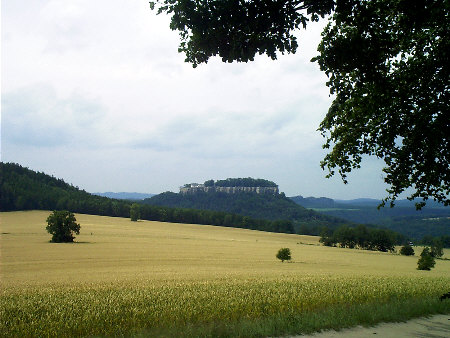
point(426, 260)
point(407, 250)
point(134, 212)
point(437, 248)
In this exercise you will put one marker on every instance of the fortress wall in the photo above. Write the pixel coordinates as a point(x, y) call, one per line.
point(230, 190)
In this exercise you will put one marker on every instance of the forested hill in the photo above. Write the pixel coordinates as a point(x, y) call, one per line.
point(265, 206)
point(24, 189)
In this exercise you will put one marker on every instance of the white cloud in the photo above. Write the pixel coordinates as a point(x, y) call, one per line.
point(98, 88)
point(36, 117)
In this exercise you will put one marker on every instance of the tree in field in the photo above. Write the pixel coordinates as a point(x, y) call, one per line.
point(135, 212)
point(62, 225)
point(284, 254)
point(388, 67)
point(407, 250)
point(426, 260)
point(327, 237)
point(437, 248)
point(382, 240)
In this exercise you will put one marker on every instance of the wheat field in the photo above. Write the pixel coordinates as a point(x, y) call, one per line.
point(154, 278)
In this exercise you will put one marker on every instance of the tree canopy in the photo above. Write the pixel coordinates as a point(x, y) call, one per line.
point(238, 30)
point(426, 260)
point(284, 254)
point(243, 182)
point(62, 226)
point(134, 212)
point(388, 67)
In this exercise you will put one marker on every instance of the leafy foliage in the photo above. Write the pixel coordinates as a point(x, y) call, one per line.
point(388, 66)
point(238, 30)
point(62, 225)
point(426, 260)
point(284, 254)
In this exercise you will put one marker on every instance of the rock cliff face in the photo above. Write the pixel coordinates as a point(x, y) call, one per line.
point(229, 190)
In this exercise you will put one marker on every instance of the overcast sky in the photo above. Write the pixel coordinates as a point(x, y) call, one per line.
point(95, 92)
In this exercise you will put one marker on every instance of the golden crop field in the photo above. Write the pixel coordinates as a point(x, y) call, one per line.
point(122, 277)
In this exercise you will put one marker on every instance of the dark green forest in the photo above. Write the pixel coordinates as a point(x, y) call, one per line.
point(265, 206)
point(366, 238)
point(362, 237)
point(25, 189)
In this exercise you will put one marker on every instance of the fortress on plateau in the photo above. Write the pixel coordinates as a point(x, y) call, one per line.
point(232, 186)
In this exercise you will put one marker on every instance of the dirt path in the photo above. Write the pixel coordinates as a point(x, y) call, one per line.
point(435, 326)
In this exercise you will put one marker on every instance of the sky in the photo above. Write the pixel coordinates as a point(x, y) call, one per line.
point(96, 93)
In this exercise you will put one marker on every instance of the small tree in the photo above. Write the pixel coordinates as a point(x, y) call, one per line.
point(284, 254)
point(407, 250)
point(426, 260)
point(62, 225)
point(437, 248)
point(134, 212)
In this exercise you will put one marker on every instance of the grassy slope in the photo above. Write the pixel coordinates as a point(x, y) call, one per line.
point(160, 277)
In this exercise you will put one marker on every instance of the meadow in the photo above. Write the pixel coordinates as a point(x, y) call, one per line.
point(123, 278)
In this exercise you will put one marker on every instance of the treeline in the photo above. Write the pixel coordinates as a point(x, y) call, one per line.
point(240, 182)
point(209, 217)
point(429, 240)
point(25, 189)
point(362, 237)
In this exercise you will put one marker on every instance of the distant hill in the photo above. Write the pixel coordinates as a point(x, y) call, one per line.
point(314, 202)
point(137, 196)
point(398, 203)
point(433, 219)
point(261, 206)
